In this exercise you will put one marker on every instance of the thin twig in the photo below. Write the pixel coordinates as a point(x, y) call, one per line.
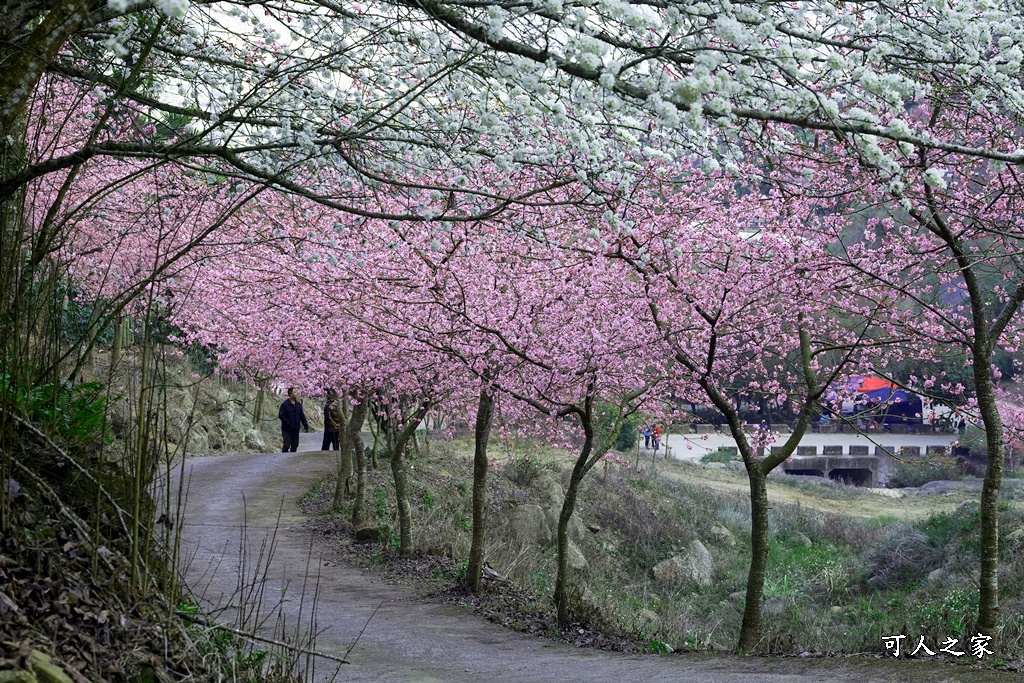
point(350, 647)
point(262, 639)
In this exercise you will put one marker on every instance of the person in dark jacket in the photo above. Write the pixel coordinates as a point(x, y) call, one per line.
point(291, 415)
point(332, 423)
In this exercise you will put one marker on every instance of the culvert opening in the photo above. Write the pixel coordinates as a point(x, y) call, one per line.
point(855, 477)
point(806, 473)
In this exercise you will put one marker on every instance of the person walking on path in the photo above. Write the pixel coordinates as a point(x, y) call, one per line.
point(656, 437)
point(291, 416)
point(332, 421)
point(647, 437)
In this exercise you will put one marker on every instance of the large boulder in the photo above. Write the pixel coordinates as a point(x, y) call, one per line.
point(198, 442)
point(549, 491)
point(693, 565)
point(254, 441)
point(576, 559)
point(722, 536)
point(776, 605)
point(217, 437)
point(576, 526)
point(530, 524)
point(551, 496)
point(213, 396)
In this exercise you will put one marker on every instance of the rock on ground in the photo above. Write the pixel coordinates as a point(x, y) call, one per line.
point(722, 536)
point(530, 524)
point(694, 565)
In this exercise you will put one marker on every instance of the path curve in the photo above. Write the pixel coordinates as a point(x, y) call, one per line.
point(410, 640)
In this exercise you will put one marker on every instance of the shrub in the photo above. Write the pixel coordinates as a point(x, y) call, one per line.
point(955, 530)
point(627, 438)
point(903, 554)
point(522, 470)
point(720, 455)
point(648, 537)
point(911, 473)
point(73, 413)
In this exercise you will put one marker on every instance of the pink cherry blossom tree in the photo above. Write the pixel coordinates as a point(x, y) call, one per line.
point(942, 234)
point(738, 290)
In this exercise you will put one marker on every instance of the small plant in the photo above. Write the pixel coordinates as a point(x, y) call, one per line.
point(659, 647)
point(721, 456)
point(237, 660)
point(523, 470)
point(833, 577)
point(778, 587)
point(380, 504)
point(461, 570)
point(462, 486)
point(187, 608)
point(72, 412)
point(428, 502)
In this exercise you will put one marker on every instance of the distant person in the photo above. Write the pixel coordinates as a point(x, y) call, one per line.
point(647, 436)
point(291, 416)
point(656, 437)
point(332, 421)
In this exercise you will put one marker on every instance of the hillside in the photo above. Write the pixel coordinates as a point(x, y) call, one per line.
point(660, 555)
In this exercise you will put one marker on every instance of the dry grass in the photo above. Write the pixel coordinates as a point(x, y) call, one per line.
point(861, 574)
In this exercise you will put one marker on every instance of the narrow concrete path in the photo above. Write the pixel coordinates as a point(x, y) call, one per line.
point(408, 639)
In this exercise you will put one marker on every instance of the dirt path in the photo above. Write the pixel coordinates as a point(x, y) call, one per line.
point(409, 639)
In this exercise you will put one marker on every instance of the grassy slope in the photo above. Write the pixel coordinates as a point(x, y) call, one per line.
point(848, 566)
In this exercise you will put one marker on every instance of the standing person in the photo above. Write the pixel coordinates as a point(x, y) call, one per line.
point(332, 425)
point(656, 437)
point(291, 416)
point(647, 437)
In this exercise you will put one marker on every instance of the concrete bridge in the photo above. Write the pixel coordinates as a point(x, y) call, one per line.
point(849, 464)
point(856, 465)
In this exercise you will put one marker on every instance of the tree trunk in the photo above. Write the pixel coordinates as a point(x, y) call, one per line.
point(579, 470)
point(115, 351)
point(988, 583)
point(484, 415)
point(982, 348)
point(757, 473)
point(374, 424)
point(355, 439)
point(402, 501)
point(750, 630)
point(398, 443)
point(344, 456)
point(257, 413)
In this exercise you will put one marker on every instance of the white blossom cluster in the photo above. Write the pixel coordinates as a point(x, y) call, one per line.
point(382, 91)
